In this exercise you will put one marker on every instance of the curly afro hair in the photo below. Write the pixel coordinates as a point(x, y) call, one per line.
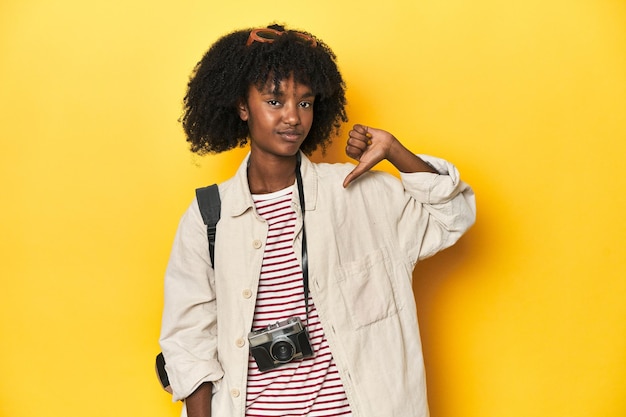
point(220, 81)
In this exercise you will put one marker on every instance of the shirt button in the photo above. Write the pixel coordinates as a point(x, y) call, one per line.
point(234, 392)
point(257, 244)
point(240, 342)
point(246, 293)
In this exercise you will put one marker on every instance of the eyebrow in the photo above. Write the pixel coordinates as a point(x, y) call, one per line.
point(280, 93)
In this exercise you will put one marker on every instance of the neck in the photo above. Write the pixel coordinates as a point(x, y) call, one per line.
point(272, 175)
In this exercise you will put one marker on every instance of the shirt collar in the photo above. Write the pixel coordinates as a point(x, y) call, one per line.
point(242, 197)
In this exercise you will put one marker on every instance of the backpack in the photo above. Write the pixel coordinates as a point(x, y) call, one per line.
point(210, 205)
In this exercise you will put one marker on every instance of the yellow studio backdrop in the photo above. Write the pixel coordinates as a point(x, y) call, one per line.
point(525, 317)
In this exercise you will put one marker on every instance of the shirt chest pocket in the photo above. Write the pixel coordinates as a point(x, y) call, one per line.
point(368, 288)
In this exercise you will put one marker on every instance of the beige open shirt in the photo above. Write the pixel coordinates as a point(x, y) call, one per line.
point(363, 243)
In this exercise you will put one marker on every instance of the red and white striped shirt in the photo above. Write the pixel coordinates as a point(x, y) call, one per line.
point(308, 387)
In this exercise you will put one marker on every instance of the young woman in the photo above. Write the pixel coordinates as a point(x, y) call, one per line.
point(309, 309)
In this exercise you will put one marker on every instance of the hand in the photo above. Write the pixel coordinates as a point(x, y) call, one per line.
point(198, 404)
point(369, 146)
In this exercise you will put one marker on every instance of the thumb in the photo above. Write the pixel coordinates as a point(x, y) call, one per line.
point(354, 174)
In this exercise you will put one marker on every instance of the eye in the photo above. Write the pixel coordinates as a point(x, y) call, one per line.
point(273, 102)
point(306, 104)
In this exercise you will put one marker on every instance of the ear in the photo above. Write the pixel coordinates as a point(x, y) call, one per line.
point(242, 109)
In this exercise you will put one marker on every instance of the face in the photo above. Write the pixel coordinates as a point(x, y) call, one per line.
point(278, 121)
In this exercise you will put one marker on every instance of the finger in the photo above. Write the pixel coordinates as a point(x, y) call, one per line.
point(356, 150)
point(354, 153)
point(357, 140)
point(360, 144)
point(362, 129)
point(360, 132)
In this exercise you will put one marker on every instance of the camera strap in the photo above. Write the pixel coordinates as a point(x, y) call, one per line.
point(305, 258)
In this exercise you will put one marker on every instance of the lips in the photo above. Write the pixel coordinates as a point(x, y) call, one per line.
point(290, 135)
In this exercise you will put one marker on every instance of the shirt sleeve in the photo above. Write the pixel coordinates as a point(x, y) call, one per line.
point(189, 324)
point(448, 205)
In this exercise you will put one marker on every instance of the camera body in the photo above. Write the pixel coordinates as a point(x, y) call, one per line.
point(279, 343)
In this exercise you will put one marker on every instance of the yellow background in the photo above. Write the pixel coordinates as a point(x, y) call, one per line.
point(525, 317)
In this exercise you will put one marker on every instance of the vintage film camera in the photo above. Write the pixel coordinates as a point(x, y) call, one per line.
point(280, 343)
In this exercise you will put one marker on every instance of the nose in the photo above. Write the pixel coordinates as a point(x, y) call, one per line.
point(291, 114)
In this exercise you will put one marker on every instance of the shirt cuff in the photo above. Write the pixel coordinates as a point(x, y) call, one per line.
point(185, 381)
point(431, 188)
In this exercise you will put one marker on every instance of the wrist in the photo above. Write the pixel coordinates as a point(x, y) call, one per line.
point(406, 161)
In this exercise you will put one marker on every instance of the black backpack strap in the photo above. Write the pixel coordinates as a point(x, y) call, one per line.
point(162, 373)
point(210, 204)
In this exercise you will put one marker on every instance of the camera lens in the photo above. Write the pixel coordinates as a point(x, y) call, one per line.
point(283, 350)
